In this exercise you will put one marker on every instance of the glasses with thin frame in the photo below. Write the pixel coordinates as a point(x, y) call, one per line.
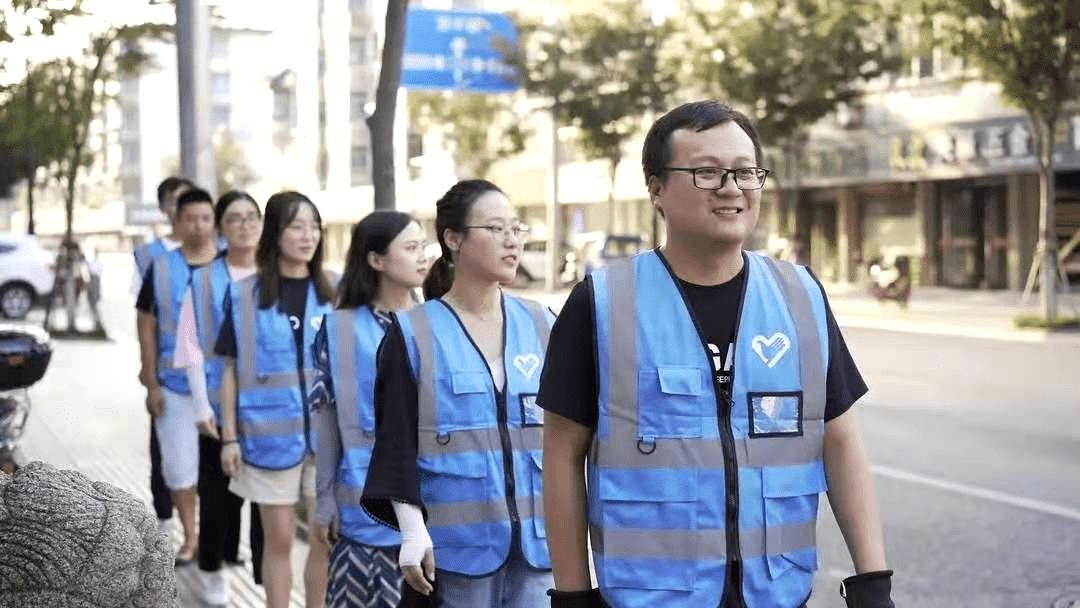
point(714, 178)
point(518, 231)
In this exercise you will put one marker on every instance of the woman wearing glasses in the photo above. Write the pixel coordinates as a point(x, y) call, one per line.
point(239, 221)
point(384, 267)
point(267, 438)
point(458, 432)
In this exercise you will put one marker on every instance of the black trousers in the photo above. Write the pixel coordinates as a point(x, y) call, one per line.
point(162, 497)
point(220, 515)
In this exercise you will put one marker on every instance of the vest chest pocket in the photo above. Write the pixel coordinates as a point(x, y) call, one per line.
point(790, 496)
point(473, 400)
point(459, 495)
point(670, 401)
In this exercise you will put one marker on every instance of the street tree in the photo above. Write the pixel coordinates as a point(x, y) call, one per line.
point(481, 128)
point(381, 122)
point(1032, 49)
point(790, 63)
point(603, 73)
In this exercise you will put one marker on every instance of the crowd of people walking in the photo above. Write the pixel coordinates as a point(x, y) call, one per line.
point(685, 410)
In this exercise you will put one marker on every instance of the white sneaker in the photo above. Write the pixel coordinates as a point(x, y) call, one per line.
point(214, 590)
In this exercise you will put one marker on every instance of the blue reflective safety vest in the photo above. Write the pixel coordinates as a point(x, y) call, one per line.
point(273, 422)
point(353, 339)
point(209, 285)
point(479, 449)
point(681, 479)
point(146, 253)
point(172, 276)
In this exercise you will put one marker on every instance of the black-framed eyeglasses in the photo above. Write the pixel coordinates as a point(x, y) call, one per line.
point(518, 231)
point(714, 178)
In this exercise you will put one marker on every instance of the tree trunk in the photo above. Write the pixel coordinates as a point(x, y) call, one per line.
point(381, 121)
point(613, 164)
point(30, 203)
point(1047, 247)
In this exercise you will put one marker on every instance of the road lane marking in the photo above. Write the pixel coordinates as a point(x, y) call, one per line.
point(983, 493)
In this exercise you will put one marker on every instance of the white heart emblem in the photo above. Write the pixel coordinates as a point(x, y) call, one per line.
point(527, 364)
point(771, 349)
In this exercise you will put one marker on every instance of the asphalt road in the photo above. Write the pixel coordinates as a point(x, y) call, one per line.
point(975, 445)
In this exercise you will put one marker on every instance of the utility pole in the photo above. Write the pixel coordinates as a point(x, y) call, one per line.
point(193, 70)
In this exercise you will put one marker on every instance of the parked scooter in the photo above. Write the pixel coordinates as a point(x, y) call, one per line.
point(25, 351)
point(891, 281)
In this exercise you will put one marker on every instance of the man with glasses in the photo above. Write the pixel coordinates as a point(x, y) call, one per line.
point(710, 389)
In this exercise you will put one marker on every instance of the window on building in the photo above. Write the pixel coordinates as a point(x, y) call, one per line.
point(131, 186)
point(129, 153)
point(357, 101)
point(414, 145)
point(283, 102)
point(357, 5)
point(221, 115)
point(129, 117)
point(359, 164)
point(219, 45)
point(219, 84)
point(358, 50)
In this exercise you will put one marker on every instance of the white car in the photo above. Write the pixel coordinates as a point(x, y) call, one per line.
point(26, 274)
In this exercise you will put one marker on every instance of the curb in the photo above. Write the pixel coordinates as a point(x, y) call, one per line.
point(939, 328)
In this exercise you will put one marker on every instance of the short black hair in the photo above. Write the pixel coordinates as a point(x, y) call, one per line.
point(170, 184)
point(697, 116)
point(192, 197)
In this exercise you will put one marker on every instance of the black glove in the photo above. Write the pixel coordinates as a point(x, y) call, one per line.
point(868, 590)
point(577, 599)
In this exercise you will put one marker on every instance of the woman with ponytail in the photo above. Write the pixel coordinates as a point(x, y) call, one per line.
point(458, 432)
point(384, 267)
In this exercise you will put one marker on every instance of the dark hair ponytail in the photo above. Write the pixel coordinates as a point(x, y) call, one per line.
point(451, 212)
point(373, 234)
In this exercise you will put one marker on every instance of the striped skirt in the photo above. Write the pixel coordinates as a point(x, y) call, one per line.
point(363, 577)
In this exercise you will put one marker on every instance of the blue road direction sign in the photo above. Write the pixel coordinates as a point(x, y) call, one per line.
point(458, 50)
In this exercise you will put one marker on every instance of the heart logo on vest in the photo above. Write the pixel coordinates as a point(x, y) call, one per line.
point(527, 364)
point(770, 350)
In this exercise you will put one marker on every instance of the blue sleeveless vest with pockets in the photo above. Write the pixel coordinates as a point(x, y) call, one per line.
point(145, 255)
point(467, 433)
point(172, 277)
point(209, 285)
point(354, 336)
point(658, 487)
point(273, 426)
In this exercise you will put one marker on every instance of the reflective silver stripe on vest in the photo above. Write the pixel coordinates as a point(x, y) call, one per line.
point(287, 426)
point(433, 443)
point(699, 544)
point(543, 330)
point(622, 361)
point(687, 453)
point(428, 418)
point(811, 363)
point(447, 514)
point(345, 385)
point(246, 378)
point(162, 280)
point(206, 311)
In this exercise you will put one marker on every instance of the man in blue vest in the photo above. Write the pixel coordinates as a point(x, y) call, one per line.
point(168, 394)
point(167, 192)
point(708, 391)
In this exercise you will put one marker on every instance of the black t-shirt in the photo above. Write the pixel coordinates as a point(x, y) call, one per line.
point(146, 302)
point(569, 383)
point(392, 473)
point(292, 300)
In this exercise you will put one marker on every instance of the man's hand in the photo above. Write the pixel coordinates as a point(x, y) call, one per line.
point(868, 590)
point(155, 401)
point(230, 457)
point(416, 558)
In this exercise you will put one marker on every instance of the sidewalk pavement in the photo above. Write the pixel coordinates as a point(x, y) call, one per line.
point(87, 414)
point(931, 310)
